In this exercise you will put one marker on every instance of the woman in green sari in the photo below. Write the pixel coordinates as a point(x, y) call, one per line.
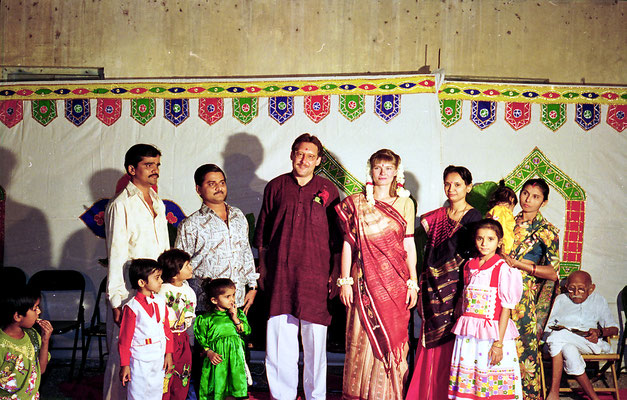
point(536, 254)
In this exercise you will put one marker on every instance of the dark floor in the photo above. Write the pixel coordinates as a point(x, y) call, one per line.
point(56, 384)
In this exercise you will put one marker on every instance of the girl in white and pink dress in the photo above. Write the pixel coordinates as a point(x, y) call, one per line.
point(485, 362)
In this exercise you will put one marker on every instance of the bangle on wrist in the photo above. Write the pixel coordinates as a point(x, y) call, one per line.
point(533, 270)
point(412, 284)
point(237, 323)
point(344, 281)
point(497, 344)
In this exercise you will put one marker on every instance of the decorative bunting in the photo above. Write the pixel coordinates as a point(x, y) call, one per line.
point(317, 107)
point(245, 109)
point(143, 110)
point(11, 112)
point(176, 110)
point(616, 116)
point(77, 111)
point(553, 115)
point(352, 106)
point(108, 110)
point(587, 116)
point(211, 109)
point(387, 106)
point(281, 108)
point(173, 213)
point(450, 112)
point(483, 113)
point(518, 115)
point(44, 111)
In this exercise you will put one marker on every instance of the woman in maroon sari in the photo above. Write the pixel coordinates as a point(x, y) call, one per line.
point(378, 281)
point(448, 243)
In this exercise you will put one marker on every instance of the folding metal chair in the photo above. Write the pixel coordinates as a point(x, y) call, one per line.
point(65, 281)
point(97, 328)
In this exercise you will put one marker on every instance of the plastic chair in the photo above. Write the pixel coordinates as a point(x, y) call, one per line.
point(64, 281)
point(12, 276)
point(97, 328)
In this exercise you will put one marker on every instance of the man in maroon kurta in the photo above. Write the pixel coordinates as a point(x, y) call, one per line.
point(296, 237)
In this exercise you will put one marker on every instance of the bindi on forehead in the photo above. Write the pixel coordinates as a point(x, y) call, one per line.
point(308, 147)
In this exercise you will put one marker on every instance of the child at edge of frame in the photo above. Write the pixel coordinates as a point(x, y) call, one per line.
point(219, 333)
point(145, 343)
point(24, 352)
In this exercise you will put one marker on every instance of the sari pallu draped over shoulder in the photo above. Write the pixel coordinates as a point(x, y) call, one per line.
point(376, 236)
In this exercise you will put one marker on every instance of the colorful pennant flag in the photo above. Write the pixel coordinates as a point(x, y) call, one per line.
point(11, 112)
point(450, 112)
point(483, 113)
point(616, 116)
point(387, 106)
point(211, 109)
point(44, 111)
point(108, 110)
point(245, 109)
point(143, 110)
point(518, 115)
point(553, 115)
point(587, 116)
point(176, 110)
point(317, 107)
point(77, 111)
point(352, 106)
point(281, 108)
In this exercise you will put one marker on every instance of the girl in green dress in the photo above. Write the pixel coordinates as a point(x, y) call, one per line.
point(219, 332)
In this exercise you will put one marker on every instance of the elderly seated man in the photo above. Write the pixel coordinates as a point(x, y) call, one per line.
point(579, 321)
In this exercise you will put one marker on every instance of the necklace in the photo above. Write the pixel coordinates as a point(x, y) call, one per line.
point(450, 212)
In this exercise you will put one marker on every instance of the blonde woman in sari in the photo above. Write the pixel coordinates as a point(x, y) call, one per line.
point(378, 282)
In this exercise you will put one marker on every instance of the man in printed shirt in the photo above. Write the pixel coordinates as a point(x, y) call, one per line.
point(299, 247)
point(216, 236)
point(135, 227)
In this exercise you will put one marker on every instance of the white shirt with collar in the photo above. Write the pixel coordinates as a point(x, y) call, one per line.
point(132, 232)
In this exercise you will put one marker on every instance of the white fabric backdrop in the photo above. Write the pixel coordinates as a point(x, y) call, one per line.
point(52, 174)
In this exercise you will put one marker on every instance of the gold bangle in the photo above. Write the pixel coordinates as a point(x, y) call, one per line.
point(497, 344)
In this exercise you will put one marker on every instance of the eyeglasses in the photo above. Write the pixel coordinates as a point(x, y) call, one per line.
point(306, 156)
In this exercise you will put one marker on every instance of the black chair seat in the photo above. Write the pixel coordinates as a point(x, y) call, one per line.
point(60, 327)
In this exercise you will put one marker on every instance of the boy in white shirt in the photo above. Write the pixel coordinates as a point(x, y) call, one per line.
point(577, 325)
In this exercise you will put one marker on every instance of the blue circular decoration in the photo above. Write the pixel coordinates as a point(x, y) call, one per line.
point(235, 89)
point(176, 90)
point(407, 85)
point(620, 115)
point(316, 106)
point(347, 87)
point(530, 95)
point(108, 109)
point(62, 91)
point(290, 88)
point(211, 108)
point(7, 93)
point(590, 95)
point(10, 110)
point(118, 90)
point(517, 113)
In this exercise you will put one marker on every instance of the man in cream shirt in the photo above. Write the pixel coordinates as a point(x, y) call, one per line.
point(136, 227)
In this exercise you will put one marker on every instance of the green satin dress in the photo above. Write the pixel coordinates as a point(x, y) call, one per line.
point(216, 331)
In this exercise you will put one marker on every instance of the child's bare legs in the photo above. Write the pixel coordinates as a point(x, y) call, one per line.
point(556, 377)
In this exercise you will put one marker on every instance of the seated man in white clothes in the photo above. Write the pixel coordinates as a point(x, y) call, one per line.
point(579, 321)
